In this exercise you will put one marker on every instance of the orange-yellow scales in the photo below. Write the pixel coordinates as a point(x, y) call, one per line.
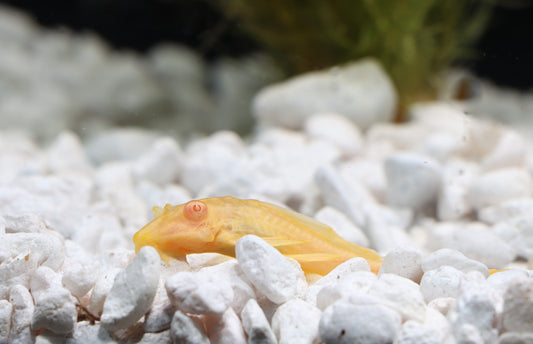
point(215, 225)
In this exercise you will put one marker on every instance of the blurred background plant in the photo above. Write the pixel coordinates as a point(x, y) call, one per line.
point(415, 40)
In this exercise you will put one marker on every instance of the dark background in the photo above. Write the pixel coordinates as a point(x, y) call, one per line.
point(505, 50)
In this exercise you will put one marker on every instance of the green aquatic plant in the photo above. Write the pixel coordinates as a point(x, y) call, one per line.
point(415, 40)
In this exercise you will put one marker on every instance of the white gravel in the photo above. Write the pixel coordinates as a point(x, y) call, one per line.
point(444, 197)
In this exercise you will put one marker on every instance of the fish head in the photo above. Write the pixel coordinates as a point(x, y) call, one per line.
point(180, 230)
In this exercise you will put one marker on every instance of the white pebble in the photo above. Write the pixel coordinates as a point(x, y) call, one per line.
point(516, 338)
point(498, 186)
point(256, 325)
point(453, 202)
point(6, 310)
point(468, 333)
point(474, 240)
point(444, 281)
point(22, 314)
point(360, 91)
point(433, 330)
point(453, 258)
point(346, 285)
point(268, 270)
point(344, 270)
point(160, 314)
point(79, 278)
point(507, 210)
point(476, 305)
point(336, 129)
point(199, 293)
point(403, 261)
point(518, 306)
point(340, 223)
point(233, 274)
point(133, 291)
point(67, 154)
point(400, 294)
point(161, 164)
point(442, 304)
point(510, 150)
point(296, 321)
point(184, 330)
point(101, 289)
point(55, 308)
point(413, 180)
point(24, 223)
point(85, 333)
point(226, 329)
point(346, 323)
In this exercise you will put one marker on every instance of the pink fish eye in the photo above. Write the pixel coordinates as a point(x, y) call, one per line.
point(195, 210)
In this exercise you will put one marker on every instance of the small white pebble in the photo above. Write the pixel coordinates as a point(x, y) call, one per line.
point(133, 291)
point(498, 186)
point(336, 129)
point(100, 291)
point(516, 338)
point(345, 323)
point(344, 270)
point(518, 306)
point(296, 321)
point(454, 258)
point(268, 270)
point(413, 180)
point(79, 278)
point(161, 164)
point(225, 329)
point(160, 314)
point(342, 225)
point(199, 293)
point(403, 261)
point(184, 330)
point(23, 308)
point(442, 304)
point(55, 308)
point(6, 310)
point(356, 282)
point(256, 325)
point(474, 240)
point(85, 333)
point(444, 281)
point(400, 294)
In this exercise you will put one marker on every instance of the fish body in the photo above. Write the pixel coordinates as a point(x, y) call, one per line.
point(216, 224)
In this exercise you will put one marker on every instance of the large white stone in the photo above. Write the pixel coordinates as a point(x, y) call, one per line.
point(360, 91)
point(133, 291)
point(6, 309)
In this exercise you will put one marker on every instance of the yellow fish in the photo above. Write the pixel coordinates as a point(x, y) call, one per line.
point(215, 225)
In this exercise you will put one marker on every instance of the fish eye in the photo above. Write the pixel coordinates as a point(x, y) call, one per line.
point(195, 210)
